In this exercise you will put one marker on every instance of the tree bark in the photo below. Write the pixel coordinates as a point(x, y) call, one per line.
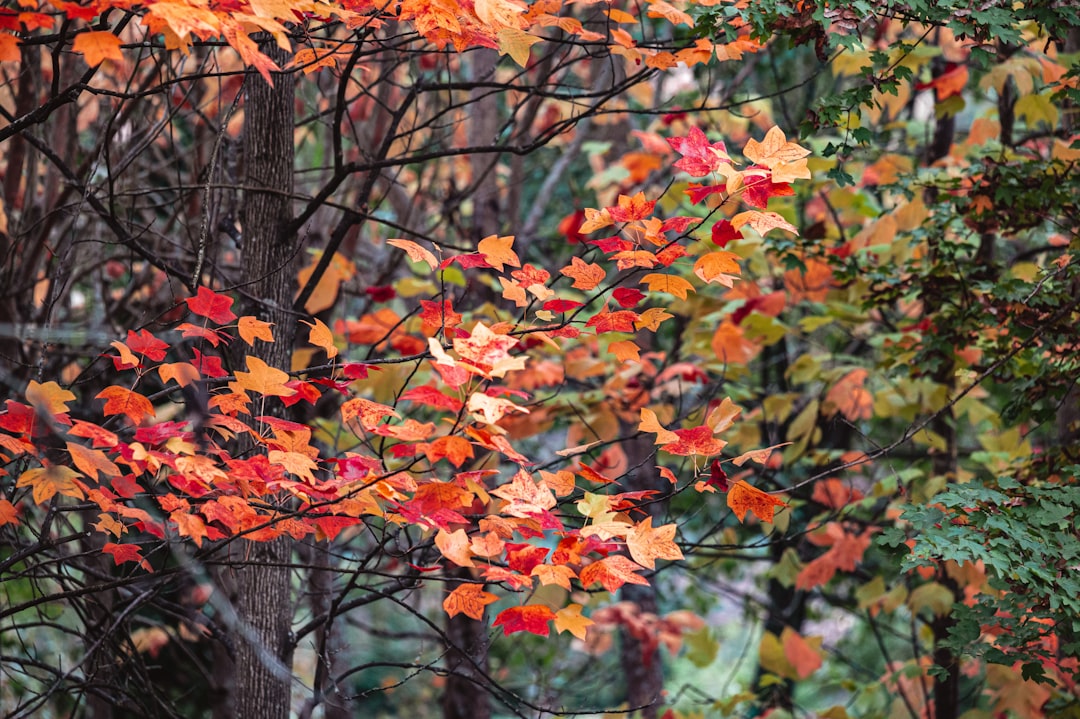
point(263, 599)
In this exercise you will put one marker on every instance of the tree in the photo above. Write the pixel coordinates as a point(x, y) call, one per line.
point(507, 316)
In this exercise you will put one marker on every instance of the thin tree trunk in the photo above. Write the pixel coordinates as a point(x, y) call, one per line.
point(263, 599)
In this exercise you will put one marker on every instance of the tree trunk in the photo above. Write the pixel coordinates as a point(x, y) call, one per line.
point(263, 602)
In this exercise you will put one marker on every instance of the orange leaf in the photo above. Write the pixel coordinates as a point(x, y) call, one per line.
point(695, 441)
point(9, 48)
point(189, 525)
point(184, 373)
point(119, 400)
point(646, 544)
point(454, 448)
point(743, 498)
point(321, 337)
point(455, 546)
point(721, 267)
point(251, 329)
point(549, 574)
point(731, 346)
point(612, 572)
point(850, 397)
point(625, 351)
point(468, 599)
point(762, 222)
point(415, 252)
point(91, 462)
point(50, 480)
point(98, 46)
point(586, 275)
point(532, 618)
point(264, 379)
point(496, 250)
point(570, 619)
point(8, 513)
point(773, 149)
point(370, 413)
point(488, 352)
point(525, 496)
point(761, 456)
point(126, 553)
point(652, 318)
point(803, 657)
point(671, 284)
point(650, 423)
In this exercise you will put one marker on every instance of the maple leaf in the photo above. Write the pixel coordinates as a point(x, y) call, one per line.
point(759, 186)
point(320, 336)
point(625, 351)
point(48, 398)
point(120, 400)
point(627, 297)
point(612, 572)
point(631, 208)
point(489, 409)
point(8, 513)
point(415, 252)
point(50, 480)
point(743, 498)
point(559, 575)
point(455, 547)
point(468, 599)
point(652, 318)
point(804, 659)
point(650, 423)
point(525, 496)
point(496, 251)
point(700, 157)
point(92, 462)
point(850, 397)
point(190, 525)
point(488, 352)
point(774, 149)
point(570, 619)
point(98, 46)
point(731, 346)
point(618, 321)
point(724, 232)
point(695, 441)
point(517, 44)
point(122, 553)
point(454, 448)
point(671, 284)
point(211, 305)
point(762, 222)
point(432, 397)
point(263, 379)
point(586, 275)
point(439, 315)
point(646, 544)
point(532, 618)
point(147, 345)
point(251, 329)
point(369, 413)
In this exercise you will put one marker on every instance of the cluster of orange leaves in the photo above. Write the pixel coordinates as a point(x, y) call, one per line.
point(155, 479)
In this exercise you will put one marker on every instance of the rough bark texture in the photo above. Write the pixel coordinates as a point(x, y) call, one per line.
point(263, 601)
point(642, 666)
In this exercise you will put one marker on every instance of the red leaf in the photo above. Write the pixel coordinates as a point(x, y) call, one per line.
point(432, 397)
point(724, 232)
point(700, 157)
point(212, 306)
point(618, 321)
point(147, 345)
point(531, 618)
point(627, 297)
point(562, 305)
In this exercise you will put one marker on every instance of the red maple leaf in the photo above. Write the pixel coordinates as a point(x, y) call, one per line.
point(618, 321)
point(696, 440)
point(699, 156)
point(212, 306)
point(531, 618)
point(758, 188)
point(147, 345)
point(627, 297)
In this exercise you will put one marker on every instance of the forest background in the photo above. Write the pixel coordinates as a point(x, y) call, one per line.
point(481, 358)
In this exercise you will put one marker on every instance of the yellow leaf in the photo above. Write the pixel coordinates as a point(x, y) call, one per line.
point(570, 619)
point(322, 337)
point(183, 372)
point(671, 284)
point(517, 44)
point(50, 480)
point(774, 149)
point(650, 423)
point(264, 379)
